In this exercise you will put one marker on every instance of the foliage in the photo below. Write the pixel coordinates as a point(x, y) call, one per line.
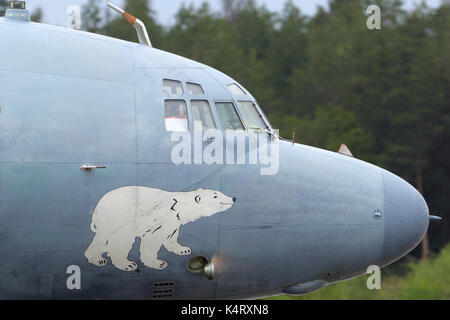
point(36, 15)
point(3, 6)
point(119, 28)
point(90, 16)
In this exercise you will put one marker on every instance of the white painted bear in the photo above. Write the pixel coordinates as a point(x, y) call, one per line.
point(153, 215)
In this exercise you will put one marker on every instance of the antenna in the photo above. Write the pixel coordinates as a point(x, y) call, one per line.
point(136, 23)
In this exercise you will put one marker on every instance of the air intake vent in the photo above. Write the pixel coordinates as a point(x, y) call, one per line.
point(163, 293)
point(162, 290)
point(164, 284)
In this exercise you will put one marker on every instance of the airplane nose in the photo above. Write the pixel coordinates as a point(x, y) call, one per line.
point(234, 199)
point(406, 218)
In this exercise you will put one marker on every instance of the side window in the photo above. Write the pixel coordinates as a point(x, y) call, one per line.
point(251, 115)
point(228, 116)
point(172, 87)
point(236, 90)
point(201, 111)
point(176, 115)
point(194, 89)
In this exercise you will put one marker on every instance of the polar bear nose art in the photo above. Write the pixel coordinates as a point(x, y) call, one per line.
point(155, 228)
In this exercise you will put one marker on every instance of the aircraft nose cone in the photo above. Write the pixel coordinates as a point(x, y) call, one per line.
point(406, 218)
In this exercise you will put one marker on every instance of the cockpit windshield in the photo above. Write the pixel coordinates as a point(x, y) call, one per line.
point(236, 90)
point(251, 115)
point(201, 112)
point(228, 116)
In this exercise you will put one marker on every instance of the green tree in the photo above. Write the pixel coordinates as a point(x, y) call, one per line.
point(419, 111)
point(3, 6)
point(119, 28)
point(90, 16)
point(328, 128)
point(230, 7)
point(253, 26)
point(288, 52)
point(202, 36)
point(37, 15)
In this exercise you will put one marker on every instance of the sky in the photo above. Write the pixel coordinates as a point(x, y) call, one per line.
point(55, 10)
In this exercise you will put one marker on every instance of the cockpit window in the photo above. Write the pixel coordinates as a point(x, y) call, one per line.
point(172, 87)
point(176, 115)
point(228, 116)
point(236, 90)
point(251, 115)
point(201, 111)
point(194, 89)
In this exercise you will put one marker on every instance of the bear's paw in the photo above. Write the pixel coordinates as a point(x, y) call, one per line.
point(185, 251)
point(129, 266)
point(98, 263)
point(102, 262)
point(157, 264)
point(162, 265)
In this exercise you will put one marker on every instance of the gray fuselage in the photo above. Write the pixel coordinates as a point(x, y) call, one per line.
point(71, 98)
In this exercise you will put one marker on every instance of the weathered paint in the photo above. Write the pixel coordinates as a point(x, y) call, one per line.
point(70, 98)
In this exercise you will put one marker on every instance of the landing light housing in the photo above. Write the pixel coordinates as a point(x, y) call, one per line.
point(201, 264)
